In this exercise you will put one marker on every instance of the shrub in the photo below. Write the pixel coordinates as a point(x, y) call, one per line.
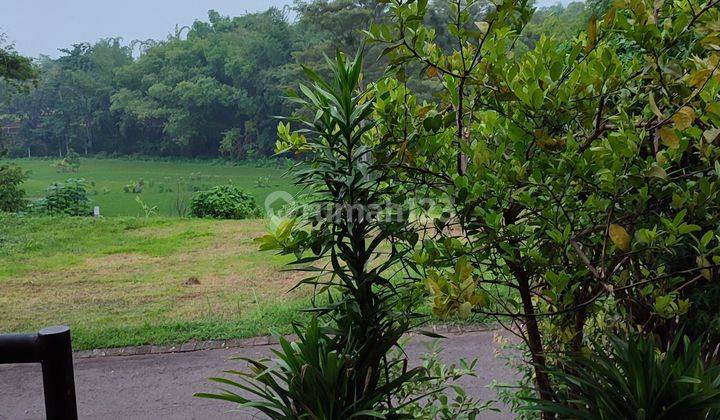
point(135, 187)
point(310, 376)
point(428, 399)
point(581, 176)
point(147, 209)
point(224, 202)
point(69, 198)
point(263, 182)
point(70, 163)
point(12, 197)
point(636, 379)
point(342, 366)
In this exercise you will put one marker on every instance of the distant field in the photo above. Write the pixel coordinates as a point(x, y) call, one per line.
point(130, 281)
point(126, 280)
point(165, 182)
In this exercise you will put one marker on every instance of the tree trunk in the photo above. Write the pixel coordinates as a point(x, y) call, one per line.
point(577, 340)
point(534, 338)
point(462, 159)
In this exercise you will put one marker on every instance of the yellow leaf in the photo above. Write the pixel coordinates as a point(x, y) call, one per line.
point(432, 71)
point(712, 135)
point(657, 172)
point(702, 262)
point(423, 111)
point(610, 16)
point(483, 26)
point(465, 310)
point(714, 107)
point(669, 138)
point(698, 77)
point(684, 118)
point(620, 237)
point(591, 34)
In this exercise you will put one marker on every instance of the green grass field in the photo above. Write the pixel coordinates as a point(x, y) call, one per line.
point(165, 182)
point(128, 281)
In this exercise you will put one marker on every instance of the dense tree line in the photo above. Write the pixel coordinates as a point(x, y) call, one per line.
point(207, 90)
point(15, 71)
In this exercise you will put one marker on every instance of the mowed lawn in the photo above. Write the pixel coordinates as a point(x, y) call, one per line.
point(129, 281)
point(164, 182)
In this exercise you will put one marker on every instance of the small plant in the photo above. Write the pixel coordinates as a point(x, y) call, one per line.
point(135, 187)
point(163, 188)
point(70, 163)
point(429, 399)
point(262, 182)
point(636, 378)
point(224, 202)
point(342, 367)
point(146, 208)
point(310, 379)
point(69, 198)
point(180, 203)
point(12, 196)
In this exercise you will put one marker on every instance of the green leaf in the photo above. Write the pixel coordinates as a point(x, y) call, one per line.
point(654, 107)
point(706, 238)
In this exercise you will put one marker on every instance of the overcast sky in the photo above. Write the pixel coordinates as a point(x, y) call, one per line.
point(42, 26)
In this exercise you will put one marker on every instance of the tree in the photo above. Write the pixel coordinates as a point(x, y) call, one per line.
point(14, 67)
point(223, 77)
point(69, 108)
point(213, 88)
point(580, 176)
point(14, 70)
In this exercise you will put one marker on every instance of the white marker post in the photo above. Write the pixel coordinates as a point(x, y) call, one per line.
point(96, 212)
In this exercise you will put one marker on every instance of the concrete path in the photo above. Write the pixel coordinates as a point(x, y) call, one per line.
point(161, 386)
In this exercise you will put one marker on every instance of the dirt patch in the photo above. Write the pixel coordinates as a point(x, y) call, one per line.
point(191, 281)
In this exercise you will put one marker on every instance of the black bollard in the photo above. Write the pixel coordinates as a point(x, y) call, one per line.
point(52, 348)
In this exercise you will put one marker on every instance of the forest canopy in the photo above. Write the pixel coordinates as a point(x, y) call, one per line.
point(208, 90)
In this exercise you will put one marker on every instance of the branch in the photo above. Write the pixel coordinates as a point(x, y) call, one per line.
point(599, 127)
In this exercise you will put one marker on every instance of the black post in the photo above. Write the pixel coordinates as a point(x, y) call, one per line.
point(52, 348)
point(57, 369)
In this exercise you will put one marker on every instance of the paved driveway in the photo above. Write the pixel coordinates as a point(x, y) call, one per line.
point(160, 386)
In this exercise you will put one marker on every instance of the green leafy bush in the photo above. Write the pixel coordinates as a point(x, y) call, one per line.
point(310, 379)
point(69, 198)
point(343, 365)
point(12, 197)
point(263, 182)
point(135, 187)
point(70, 163)
point(224, 202)
point(637, 379)
point(582, 176)
point(429, 399)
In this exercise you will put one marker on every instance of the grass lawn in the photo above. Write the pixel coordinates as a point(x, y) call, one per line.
point(126, 280)
point(164, 182)
point(129, 281)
